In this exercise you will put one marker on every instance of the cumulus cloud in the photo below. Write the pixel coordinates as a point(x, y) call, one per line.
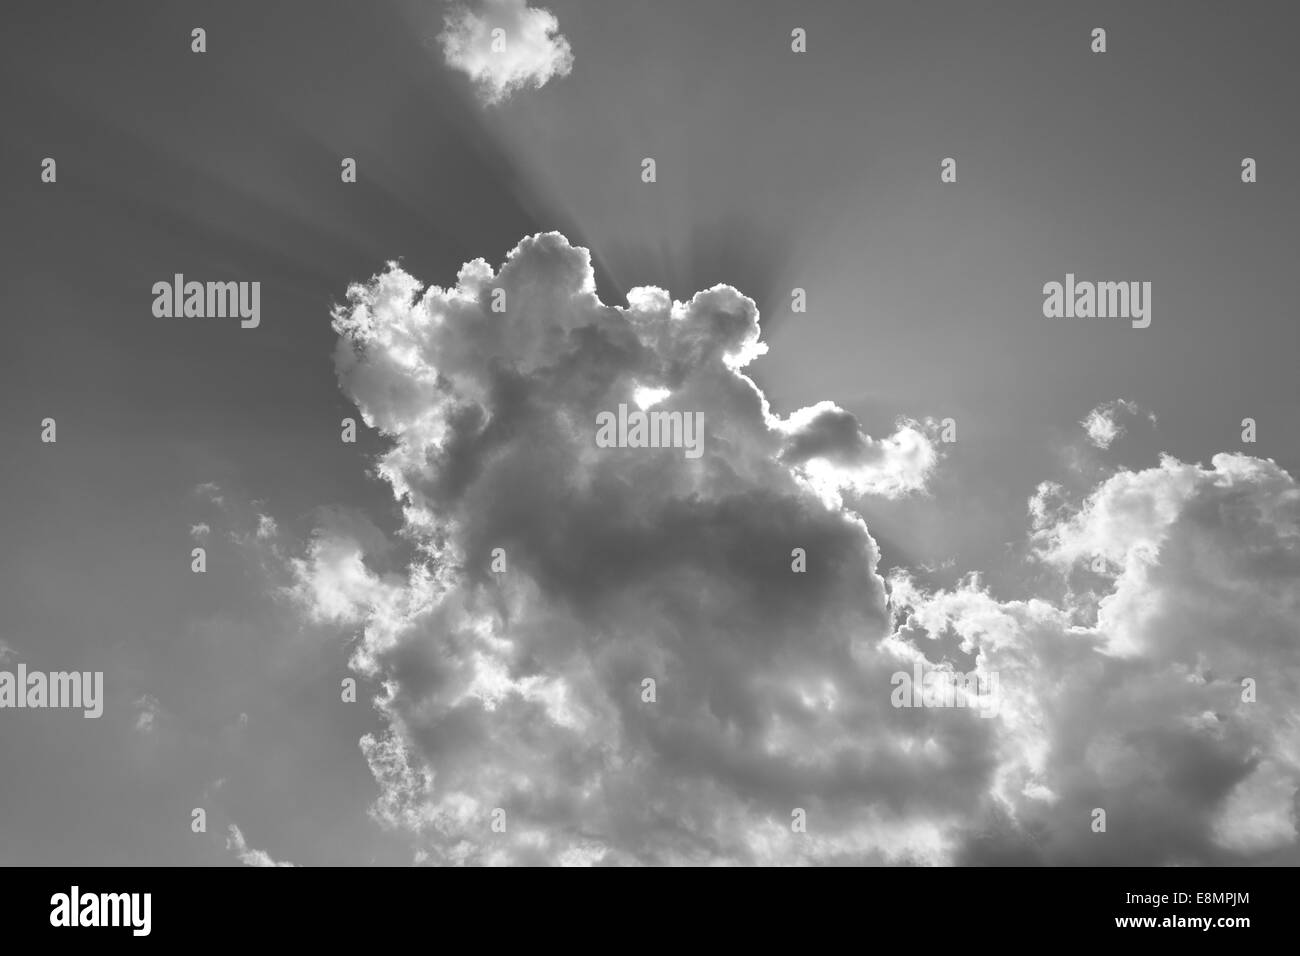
point(622, 655)
point(236, 843)
point(1136, 700)
point(1105, 423)
point(504, 46)
point(522, 689)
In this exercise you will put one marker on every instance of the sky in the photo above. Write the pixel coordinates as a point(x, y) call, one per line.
point(1098, 535)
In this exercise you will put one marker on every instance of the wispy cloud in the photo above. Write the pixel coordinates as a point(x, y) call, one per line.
point(1106, 422)
point(236, 843)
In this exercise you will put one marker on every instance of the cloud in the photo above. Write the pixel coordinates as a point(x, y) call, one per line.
point(1131, 698)
point(211, 491)
point(827, 449)
point(333, 581)
point(1103, 424)
point(553, 579)
point(200, 530)
point(147, 712)
point(522, 691)
point(504, 46)
point(249, 857)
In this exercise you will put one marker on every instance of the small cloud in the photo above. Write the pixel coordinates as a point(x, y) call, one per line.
point(504, 46)
point(210, 490)
point(147, 718)
point(266, 526)
point(1103, 423)
point(200, 530)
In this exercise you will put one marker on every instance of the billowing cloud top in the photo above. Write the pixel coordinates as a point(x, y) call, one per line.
point(627, 655)
point(524, 689)
point(504, 46)
point(1165, 693)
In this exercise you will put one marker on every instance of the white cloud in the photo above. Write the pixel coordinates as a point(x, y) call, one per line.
point(1136, 704)
point(332, 580)
point(504, 46)
point(1103, 424)
point(211, 491)
point(649, 397)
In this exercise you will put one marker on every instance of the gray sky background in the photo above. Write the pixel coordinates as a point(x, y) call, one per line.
point(775, 170)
